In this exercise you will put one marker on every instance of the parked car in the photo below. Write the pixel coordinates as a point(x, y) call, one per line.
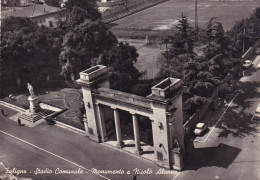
point(257, 113)
point(200, 129)
point(258, 65)
point(247, 64)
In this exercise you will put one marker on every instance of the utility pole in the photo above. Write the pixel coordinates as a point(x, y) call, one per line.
point(196, 19)
point(244, 32)
point(167, 56)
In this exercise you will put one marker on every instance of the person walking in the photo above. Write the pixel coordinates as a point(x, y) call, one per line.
point(19, 122)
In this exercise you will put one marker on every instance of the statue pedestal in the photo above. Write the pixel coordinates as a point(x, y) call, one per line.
point(34, 106)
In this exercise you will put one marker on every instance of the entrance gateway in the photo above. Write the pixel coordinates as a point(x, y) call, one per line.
point(163, 108)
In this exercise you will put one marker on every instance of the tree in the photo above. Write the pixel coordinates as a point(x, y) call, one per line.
point(121, 59)
point(245, 32)
point(26, 51)
point(180, 51)
point(82, 45)
point(90, 6)
point(183, 39)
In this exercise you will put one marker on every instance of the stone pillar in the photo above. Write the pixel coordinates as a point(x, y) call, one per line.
point(101, 123)
point(178, 158)
point(136, 135)
point(118, 130)
point(85, 120)
point(34, 106)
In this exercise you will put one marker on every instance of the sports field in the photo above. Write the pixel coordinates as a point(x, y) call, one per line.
point(165, 15)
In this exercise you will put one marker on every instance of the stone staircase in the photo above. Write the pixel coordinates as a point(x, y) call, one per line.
point(35, 117)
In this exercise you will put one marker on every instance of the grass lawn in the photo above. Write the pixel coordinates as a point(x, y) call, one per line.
point(156, 22)
point(166, 15)
point(70, 99)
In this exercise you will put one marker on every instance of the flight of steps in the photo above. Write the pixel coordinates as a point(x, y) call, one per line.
point(35, 117)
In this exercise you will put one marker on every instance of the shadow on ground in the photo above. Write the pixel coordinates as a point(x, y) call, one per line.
point(236, 121)
point(221, 156)
point(237, 124)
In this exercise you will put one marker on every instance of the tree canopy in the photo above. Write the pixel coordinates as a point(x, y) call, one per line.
point(200, 61)
point(90, 6)
point(28, 52)
point(245, 32)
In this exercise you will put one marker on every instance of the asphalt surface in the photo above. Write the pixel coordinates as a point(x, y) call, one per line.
point(230, 148)
point(50, 147)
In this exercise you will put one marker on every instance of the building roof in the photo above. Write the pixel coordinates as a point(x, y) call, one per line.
point(30, 11)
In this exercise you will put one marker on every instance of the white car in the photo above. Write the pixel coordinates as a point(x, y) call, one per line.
point(258, 65)
point(200, 128)
point(257, 113)
point(247, 64)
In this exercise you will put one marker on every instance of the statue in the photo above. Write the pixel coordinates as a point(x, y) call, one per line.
point(30, 88)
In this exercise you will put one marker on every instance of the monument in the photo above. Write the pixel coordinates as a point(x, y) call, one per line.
point(33, 100)
point(32, 114)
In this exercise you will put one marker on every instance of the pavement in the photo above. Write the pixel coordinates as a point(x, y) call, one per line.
point(50, 152)
point(229, 150)
point(230, 147)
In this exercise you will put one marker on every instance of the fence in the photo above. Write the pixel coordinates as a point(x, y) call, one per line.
point(123, 7)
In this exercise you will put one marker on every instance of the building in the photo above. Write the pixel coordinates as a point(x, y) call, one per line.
point(156, 119)
point(42, 14)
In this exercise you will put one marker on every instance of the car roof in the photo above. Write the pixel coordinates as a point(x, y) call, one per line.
point(258, 108)
point(247, 61)
point(199, 125)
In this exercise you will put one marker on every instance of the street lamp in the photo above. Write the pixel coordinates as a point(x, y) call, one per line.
point(196, 18)
point(166, 41)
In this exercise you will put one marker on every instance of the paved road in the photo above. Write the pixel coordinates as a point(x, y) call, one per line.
point(230, 150)
point(51, 147)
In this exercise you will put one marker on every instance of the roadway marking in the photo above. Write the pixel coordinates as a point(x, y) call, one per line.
point(217, 121)
point(176, 176)
point(37, 147)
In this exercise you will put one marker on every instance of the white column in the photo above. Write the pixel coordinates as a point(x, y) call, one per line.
point(101, 120)
point(136, 135)
point(119, 143)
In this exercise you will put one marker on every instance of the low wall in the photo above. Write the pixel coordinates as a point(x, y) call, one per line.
point(129, 40)
point(250, 52)
point(191, 123)
point(202, 111)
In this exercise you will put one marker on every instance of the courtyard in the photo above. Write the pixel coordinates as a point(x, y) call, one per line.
point(70, 100)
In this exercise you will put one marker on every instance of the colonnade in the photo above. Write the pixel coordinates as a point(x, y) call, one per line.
point(120, 143)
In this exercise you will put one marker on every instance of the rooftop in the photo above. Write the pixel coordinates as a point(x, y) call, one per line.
point(30, 11)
